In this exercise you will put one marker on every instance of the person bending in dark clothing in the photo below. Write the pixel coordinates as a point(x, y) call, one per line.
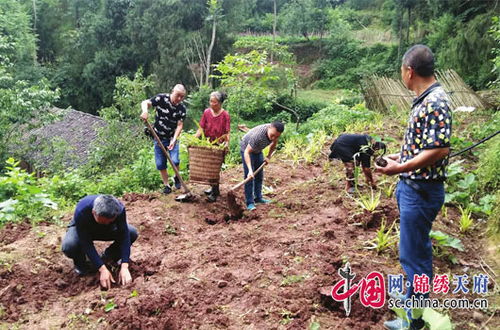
point(102, 218)
point(350, 148)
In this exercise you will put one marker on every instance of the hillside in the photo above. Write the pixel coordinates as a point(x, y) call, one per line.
point(193, 269)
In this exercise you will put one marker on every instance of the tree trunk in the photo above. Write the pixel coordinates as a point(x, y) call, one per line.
point(274, 31)
point(400, 31)
point(408, 28)
point(209, 51)
point(34, 26)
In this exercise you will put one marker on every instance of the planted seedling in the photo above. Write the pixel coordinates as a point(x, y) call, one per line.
point(466, 220)
point(110, 305)
point(367, 202)
point(384, 239)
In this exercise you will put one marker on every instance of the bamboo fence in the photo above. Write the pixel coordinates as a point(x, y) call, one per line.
point(382, 93)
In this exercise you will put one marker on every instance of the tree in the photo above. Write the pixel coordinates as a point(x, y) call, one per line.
point(304, 17)
point(214, 10)
point(20, 101)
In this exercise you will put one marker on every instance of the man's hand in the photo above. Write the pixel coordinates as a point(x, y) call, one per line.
point(144, 116)
point(395, 157)
point(172, 144)
point(124, 277)
point(250, 174)
point(105, 277)
point(267, 160)
point(393, 167)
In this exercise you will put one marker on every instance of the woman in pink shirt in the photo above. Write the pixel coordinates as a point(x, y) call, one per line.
point(215, 124)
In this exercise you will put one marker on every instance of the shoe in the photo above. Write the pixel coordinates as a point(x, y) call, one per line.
point(177, 183)
point(81, 269)
point(417, 324)
point(396, 324)
point(212, 198)
point(208, 191)
point(399, 323)
point(262, 201)
point(167, 190)
point(251, 207)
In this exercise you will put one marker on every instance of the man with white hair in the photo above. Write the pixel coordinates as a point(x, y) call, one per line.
point(100, 218)
point(169, 121)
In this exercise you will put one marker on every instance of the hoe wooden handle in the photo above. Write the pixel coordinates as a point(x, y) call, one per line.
point(177, 174)
point(250, 178)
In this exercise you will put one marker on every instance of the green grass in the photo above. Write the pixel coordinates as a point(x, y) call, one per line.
point(321, 95)
point(289, 280)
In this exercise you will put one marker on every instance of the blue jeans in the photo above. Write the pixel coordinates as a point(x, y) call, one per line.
point(72, 249)
point(416, 216)
point(253, 188)
point(160, 158)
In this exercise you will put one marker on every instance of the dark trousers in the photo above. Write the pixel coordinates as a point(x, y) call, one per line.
point(253, 188)
point(416, 216)
point(71, 246)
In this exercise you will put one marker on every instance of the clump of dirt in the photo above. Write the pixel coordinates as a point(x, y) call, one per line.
point(151, 310)
point(12, 232)
point(194, 266)
point(134, 197)
point(235, 209)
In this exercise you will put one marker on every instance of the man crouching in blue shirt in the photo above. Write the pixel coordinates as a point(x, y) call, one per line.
point(102, 218)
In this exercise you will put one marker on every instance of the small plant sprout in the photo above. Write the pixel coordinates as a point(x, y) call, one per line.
point(368, 202)
point(384, 239)
point(444, 211)
point(388, 188)
point(466, 220)
point(286, 317)
point(109, 306)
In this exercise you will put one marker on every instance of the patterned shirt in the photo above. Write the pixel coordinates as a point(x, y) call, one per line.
point(257, 139)
point(429, 127)
point(167, 115)
point(215, 126)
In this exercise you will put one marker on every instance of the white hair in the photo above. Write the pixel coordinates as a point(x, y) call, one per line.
point(179, 88)
point(107, 206)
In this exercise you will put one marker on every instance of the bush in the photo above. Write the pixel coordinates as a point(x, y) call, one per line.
point(20, 197)
point(115, 146)
point(335, 118)
point(494, 219)
point(349, 62)
point(304, 108)
point(489, 167)
point(197, 103)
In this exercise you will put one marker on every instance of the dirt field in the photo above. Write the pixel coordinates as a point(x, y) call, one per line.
point(192, 269)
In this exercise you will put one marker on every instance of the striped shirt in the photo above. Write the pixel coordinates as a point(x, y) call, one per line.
point(257, 139)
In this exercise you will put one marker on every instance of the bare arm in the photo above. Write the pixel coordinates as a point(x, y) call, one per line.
point(248, 161)
point(272, 147)
point(199, 132)
point(178, 130)
point(426, 158)
point(145, 105)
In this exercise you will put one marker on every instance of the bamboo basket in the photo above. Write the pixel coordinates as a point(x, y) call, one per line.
point(205, 164)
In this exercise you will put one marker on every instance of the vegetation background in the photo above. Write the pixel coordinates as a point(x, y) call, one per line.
point(300, 61)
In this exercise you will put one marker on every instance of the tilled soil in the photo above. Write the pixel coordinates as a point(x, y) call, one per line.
point(196, 268)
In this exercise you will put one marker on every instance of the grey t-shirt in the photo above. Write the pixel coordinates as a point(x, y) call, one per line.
point(257, 139)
